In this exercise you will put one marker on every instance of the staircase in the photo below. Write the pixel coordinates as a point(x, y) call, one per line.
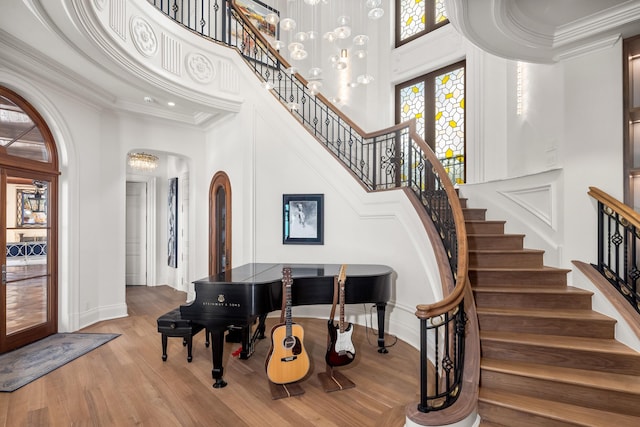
point(547, 359)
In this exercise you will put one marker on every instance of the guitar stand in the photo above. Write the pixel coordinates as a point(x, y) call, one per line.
point(334, 380)
point(279, 391)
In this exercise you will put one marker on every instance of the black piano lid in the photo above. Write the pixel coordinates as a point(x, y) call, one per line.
point(270, 272)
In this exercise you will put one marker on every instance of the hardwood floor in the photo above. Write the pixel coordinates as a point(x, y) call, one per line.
point(125, 382)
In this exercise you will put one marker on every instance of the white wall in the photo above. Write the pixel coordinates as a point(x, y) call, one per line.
point(568, 138)
point(266, 154)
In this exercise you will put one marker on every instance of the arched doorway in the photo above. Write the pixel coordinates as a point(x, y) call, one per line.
point(28, 219)
point(219, 224)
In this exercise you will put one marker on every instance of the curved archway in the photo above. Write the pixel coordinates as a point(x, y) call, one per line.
point(219, 224)
point(29, 219)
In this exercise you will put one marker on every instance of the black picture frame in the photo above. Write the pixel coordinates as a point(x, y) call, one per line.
point(303, 219)
point(256, 11)
point(172, 224)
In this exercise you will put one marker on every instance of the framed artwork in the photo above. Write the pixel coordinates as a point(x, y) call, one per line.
point(302, 219)
point(172, 232)
point(256, 12)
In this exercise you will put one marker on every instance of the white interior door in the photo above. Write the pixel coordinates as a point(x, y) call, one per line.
point(136, 233)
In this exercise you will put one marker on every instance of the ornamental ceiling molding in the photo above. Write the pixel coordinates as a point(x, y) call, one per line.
point(501, 28)
point(156, 50)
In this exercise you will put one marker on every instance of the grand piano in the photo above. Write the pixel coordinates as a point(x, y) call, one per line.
point(243, 296)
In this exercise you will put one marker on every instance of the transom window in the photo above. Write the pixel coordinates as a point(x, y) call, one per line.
point(415, 18)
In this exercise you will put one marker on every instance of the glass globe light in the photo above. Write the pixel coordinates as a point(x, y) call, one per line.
point(293, 46)
point(329, 36)
point(360, 40)
point(373, 3)
point(340, 65)
point(299, 54)
point(342, 32)
point(287, 24)
point(376, 13)
point(277, 44)
point(315, 72)
point(300, 37)
point(360, 54)
point(343, 20)
point(272, 18)
point(314, 86)
point(365, 79)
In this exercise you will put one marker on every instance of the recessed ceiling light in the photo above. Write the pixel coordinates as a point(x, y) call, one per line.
point(171, 104)
point(148, 99)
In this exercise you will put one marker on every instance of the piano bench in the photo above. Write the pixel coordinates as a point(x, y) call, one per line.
point(172, 324)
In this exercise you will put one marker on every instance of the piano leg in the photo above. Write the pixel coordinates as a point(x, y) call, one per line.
point(381, 308)
point(217, 347)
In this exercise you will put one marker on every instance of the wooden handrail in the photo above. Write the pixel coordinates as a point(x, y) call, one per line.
point(452, 299)
point(616, 205)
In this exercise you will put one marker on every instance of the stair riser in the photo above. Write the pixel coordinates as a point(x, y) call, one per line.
point(606, 400)
point(527, 300)
point(566, 357)
point(515, 418)
point(505, 260)
point(551, 278)
point(485, 227)
point(589, 328)
point(501, 241)
point(474, 214)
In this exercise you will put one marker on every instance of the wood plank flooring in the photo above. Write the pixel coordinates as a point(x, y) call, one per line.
point(125, 382)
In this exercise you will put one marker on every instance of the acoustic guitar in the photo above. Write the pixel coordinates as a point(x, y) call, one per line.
point(340, 351)
point(287, 360)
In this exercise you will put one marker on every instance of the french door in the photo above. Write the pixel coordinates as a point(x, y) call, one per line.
point(29, 296)
point(28, 220)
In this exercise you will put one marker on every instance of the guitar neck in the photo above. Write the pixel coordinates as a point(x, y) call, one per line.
point(287, 310)
point(286, 284)
point(341, 279)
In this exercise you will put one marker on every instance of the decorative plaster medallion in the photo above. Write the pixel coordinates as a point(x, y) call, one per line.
point(100, 4)
point(200, 68)
point(143, 36)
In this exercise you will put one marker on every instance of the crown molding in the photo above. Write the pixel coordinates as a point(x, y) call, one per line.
point(22, 58)
point(501, 28)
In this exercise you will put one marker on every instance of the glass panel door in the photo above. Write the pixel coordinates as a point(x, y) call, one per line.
point(26, 275)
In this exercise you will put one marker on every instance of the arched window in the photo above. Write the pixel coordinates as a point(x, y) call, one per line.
point(28, 217)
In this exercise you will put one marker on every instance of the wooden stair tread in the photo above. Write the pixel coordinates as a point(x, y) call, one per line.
point(533, 290)
point(604, 345)
point(580, 415)
point(546, 313)
point(533, 270)
point(595, 379)
point(496, 235)
point(507, 251)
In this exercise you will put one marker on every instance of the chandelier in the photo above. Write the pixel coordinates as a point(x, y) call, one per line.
point(143, 161)
point(326, 42)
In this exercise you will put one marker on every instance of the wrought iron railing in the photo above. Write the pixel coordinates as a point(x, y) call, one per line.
point(618, 245)
point(392, 158)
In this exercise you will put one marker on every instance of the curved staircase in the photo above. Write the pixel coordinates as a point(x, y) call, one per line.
point(548, 359)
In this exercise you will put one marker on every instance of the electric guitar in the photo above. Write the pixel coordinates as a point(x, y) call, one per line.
point(341, 350)
point(287, 360)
